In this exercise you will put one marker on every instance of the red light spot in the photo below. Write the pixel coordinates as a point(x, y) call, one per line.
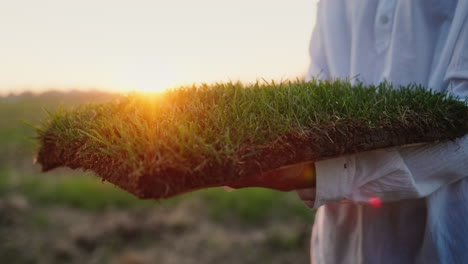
point(375, 202)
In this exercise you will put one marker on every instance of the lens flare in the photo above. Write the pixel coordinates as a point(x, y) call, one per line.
point(375, 202)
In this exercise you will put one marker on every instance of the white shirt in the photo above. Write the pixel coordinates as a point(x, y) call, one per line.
point(424, 189)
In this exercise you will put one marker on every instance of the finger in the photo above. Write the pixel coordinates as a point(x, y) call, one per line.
point(307, 196)
point(309, 204)
point(228, 189)
point(287, 178)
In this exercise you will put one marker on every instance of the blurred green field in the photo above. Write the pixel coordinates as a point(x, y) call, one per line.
point(267, 226)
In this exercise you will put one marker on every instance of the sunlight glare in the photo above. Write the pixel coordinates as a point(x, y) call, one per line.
point(155, 79)
point(152, 86)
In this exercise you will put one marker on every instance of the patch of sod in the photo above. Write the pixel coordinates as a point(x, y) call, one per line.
point(212, 135)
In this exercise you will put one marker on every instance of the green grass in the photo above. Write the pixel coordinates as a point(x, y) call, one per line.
point(254, 205)
point(17, 173)
point(84, 192)
point(76, 190)
point(195, 128)
point(31, 235)
point(191, 125)
point(16, 138)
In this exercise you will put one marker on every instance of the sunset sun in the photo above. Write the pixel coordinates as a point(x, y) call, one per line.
point(152, 85)
point(150, 77)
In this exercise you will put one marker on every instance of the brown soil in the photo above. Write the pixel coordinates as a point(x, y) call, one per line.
point(344, 137)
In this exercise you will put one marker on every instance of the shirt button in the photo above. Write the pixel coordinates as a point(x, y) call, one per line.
point(383, 19)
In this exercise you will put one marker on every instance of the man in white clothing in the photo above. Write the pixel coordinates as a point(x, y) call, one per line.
point(423, 217)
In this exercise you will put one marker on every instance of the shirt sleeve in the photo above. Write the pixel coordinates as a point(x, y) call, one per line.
point(392, 175)
point(395, 174)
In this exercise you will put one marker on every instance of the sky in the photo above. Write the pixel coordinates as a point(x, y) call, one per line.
point(150, 44)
